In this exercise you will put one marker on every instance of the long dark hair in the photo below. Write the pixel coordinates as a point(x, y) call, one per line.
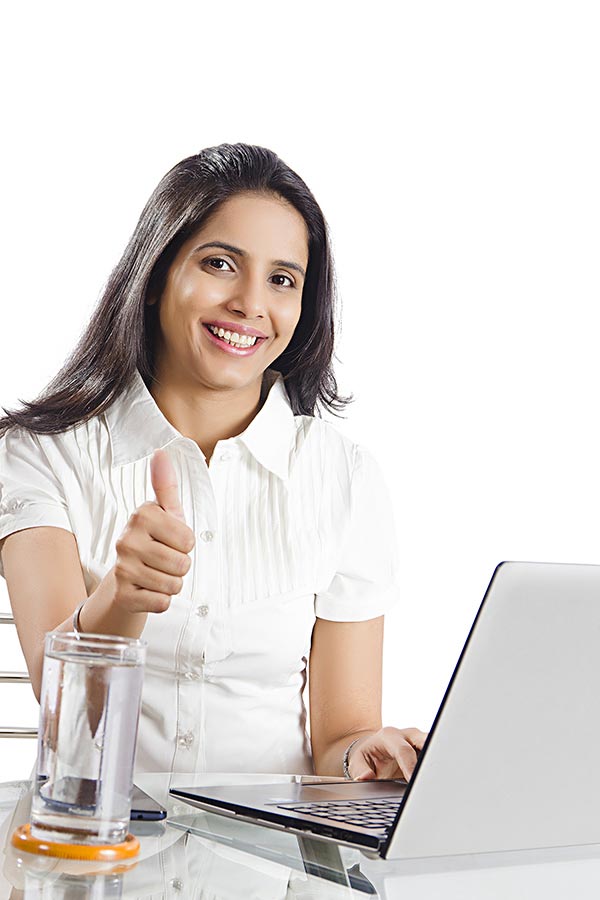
point(120, 335)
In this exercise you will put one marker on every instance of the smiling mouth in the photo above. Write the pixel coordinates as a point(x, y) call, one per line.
point(226, 338)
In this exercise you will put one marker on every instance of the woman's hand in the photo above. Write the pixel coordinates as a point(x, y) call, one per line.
point(388, 753)
point(152, 551)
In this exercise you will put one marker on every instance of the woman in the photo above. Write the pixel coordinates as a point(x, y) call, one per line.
point(174, 482)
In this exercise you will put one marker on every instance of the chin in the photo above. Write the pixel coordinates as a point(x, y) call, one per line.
point(232, 380)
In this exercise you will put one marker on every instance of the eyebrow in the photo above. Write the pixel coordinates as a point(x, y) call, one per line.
point(232, 249)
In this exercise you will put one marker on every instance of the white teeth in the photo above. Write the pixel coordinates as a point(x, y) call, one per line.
point(233, 338)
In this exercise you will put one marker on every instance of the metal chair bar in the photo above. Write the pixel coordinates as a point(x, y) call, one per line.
point(18, 732)
point(14, 678)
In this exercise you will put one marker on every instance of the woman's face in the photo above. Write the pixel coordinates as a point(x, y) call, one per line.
point(252, 285)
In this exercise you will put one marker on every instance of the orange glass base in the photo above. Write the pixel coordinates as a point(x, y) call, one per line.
point(23, 840)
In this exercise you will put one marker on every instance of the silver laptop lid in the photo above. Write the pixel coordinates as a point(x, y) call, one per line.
point(513, 758)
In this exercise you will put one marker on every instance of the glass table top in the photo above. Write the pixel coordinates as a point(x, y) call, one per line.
point(202, 855)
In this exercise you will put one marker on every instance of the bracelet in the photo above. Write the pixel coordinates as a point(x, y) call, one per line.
point(346, 757)
point(76, 625)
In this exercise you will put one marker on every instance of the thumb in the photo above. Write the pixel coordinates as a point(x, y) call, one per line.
point(164, 483)
point(365, 774)
point(362, 769)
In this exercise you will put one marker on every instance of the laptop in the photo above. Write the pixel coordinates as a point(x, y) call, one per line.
point(511, 760)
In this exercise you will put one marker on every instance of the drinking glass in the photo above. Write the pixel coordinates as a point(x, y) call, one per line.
point(89, 712)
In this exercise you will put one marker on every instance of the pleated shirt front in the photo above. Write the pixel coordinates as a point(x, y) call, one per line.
point(292, 521)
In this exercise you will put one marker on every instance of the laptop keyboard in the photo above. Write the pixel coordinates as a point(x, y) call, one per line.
point(378, 815)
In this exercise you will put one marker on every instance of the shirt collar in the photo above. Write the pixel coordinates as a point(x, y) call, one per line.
point(271, 434)
point(137, 427)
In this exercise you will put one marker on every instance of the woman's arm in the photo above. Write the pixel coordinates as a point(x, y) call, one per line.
point(45, 580)
point(345, 675)
point(45, 585)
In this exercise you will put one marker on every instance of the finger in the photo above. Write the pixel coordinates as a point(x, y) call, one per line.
point(358, 767)
point(390, 767)
point(151, 519)
point(405, 759)
point(364, 764)
point(149, 601)
point(415, 737)
point(152, 580)
point(361, 768)
point(158, 555)
point(164, 484)
point(392, 753)
point(163, 529)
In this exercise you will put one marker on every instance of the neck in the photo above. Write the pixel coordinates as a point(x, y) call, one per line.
point(204, 414)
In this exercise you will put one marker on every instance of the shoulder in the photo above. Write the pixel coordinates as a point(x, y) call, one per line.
point(21, 443)
point(337, 450)
point(60, 452)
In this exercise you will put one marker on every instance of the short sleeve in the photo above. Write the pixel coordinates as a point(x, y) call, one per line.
point(366, 583)
point(31, 494)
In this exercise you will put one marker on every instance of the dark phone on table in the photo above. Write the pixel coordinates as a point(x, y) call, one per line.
point(81, 793)
point(144, 808)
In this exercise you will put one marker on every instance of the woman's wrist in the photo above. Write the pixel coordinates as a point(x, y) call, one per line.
point(99, 614)
point(346, 760)
point(76, 623)
point(329, 760)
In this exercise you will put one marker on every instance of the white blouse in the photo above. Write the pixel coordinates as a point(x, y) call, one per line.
point(292, 519)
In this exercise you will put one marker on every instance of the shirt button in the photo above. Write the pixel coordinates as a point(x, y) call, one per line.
point(207, 536)
point(202, 610)
point(225, 456)
point(192, 676)
point(185, 739)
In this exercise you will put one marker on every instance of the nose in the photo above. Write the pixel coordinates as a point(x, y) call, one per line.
point(250, 298)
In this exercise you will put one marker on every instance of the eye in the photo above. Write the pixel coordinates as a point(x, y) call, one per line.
point(219, 259)
point(212, 259)
point(281, 275)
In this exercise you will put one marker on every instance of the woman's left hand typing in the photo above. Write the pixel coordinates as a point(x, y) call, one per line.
point(388, 753)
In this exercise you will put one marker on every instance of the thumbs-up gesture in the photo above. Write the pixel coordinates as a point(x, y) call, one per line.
point(153, 550)
point(164, 483)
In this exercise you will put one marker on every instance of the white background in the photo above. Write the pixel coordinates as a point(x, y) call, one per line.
point(453, 148)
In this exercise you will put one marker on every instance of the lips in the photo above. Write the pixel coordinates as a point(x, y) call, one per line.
point(240, 329)
point(227, 348)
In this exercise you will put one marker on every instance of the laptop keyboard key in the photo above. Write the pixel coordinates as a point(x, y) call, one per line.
point(378, 815)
